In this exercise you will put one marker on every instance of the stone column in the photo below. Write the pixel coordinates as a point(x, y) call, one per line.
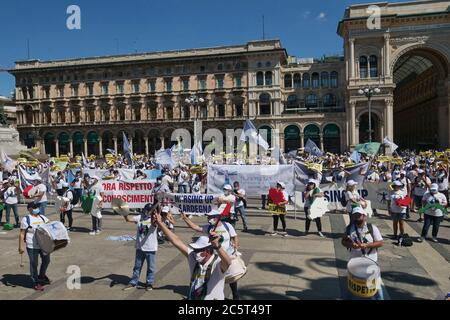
point(85, 148)
point(115, 144)
point(100, 147)
point(131, 144)
point(57, 147)
point(352, 122)
point(162, 142)
point(387, 55)
point(321, 141)
point(302, 140)
point(146, 145)
point(389, 118)
point(71, 146)
point(352, 58)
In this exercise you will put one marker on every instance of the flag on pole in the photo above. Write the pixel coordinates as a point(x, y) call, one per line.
point(196, 153)
point(313, 149)
point(356, 157)
point(368, 148)
point(85, 163)
point(390, 143)
point(127, 149)
point(250, 131)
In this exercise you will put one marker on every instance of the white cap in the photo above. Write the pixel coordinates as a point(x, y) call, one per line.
point(311, 181)
point(165, 209)
point(201, 243)
point(397, 183)
point(213, 213)
point(434, 187)
point(65, 185)
point(359, 210)
point(352, 183)
point(281, 184)
point(227, 187)
point(420, 171)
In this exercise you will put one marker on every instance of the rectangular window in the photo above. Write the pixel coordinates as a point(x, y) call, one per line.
point(221, 110)
point(219, 83)
point(186, 84)
point(74, 91)
point(238, 82)
point(151, 86)
point(61, 92)
point(90, 89)
point(202, 84)
point(136, 87)
point(168, 85)
point(239, 112)
point(104, 89)
point(119, 88)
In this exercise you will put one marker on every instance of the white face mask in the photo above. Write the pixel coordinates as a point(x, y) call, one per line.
point(199, 258)
point(212, 221)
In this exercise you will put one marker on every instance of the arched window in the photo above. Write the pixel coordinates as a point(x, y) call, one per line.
point(292, 101)
point(259, 65)
point(373, 61)
point(264, 104)
point(311, 101)
point(260, 78)
point(329, 100)
point(334, 79)
point(268, 64)
point(49, 142)
point(268, 78)
point(288, 81)
point(324, 79)
point(297, 80)
point(291, 138)
point(266, 133)
point(78, 143)
point(315, 80)
point(363, 67)
point(306, 81)
point(332, 138)
point(312, 132)
point(63, 139)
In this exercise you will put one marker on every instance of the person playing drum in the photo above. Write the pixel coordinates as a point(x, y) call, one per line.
point(228, 237)
point(28, 227)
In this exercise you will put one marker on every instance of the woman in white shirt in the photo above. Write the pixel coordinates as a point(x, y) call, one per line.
point(433, 215)
point(352, 197)
point(11, 201)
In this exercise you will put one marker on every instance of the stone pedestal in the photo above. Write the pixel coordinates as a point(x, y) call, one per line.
point(10, 142)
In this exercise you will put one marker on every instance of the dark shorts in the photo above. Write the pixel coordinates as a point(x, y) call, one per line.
point(418, 201)
point(398, 216)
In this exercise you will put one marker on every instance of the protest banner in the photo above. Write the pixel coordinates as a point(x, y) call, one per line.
point(189, 203)
point(256, 180)
point(135, 193)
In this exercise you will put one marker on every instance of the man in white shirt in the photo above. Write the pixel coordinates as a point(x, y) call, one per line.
point(436, 202)
point(421, 184)
point(183, 181)
point(41, 196)
point(146, 247)
point(28, 228)
point(207, 260)
point(239, 205)
point(66, 209)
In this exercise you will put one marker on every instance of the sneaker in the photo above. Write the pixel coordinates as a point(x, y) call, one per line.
point(274, 233)
point(434, 239)
point(285, 235)
point(98, 231)
point(148, 287)
point(69, 229)
point(128, 287)
point(421, 239)
point(320, 234)
point(245, 230)
point(38, 287)
point(419, 220)
point(92, 233)
point(45, 280)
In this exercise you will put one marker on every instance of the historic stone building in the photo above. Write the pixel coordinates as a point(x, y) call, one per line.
point(84, 105)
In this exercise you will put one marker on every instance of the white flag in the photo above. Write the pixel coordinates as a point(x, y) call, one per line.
point(7, 162)
point(391, 144)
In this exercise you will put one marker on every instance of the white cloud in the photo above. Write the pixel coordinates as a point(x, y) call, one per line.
point(306, 14)
point(321, 17)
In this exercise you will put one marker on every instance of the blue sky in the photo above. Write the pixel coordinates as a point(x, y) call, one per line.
point(307, 28)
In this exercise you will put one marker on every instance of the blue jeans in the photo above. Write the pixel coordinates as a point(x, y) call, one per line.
point(42, 207)
point(431, 220)
point(34, 254)
point(8, 211)
point(241, 211)
point(150, 256)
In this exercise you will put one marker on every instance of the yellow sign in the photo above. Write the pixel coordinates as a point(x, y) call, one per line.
point(361, 287)
point(274, 209)
point(315, 167)
point(383, 159)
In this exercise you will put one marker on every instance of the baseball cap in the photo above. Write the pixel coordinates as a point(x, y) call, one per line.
point(359, 210)
point(397, 183)
point(434, 187)
point(227, 187)
point(282, 185)
point(352, 183)
point(65, 185)
point(201, 243)
point(165, 209)
point(311, 181)
point(213, 213)
point(420, 171)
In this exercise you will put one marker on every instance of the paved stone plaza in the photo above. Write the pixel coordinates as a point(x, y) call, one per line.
point(296, 267)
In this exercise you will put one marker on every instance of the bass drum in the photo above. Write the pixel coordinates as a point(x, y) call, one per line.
point(52, 236)
point(236, 270)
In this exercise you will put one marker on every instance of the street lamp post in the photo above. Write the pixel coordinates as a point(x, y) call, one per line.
point(196, 101)
point(369, 92)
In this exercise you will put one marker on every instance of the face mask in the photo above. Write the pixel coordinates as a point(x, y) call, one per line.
point(212, 221)
point(199, 258)
point(35, 211)
point(227, 192)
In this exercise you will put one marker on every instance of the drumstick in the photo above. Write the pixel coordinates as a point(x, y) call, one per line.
point(21, 261)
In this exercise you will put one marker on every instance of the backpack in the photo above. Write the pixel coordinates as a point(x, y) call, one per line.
point(369, 227)
point(405, 240)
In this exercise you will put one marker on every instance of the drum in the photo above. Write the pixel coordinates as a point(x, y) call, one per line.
point(86, 203)
point(318, 208)
point(363, 278)
point(52, 236)
point(236, 270)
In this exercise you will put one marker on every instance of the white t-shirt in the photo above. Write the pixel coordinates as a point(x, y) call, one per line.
point(227, 235)
point(59, 183)
point(230, 199)
point(10, 195)
point(351, 196)
point(240, 203)
point(421, 187)
point(216, 283)
point(436, 198)
point(397, 195)
point(146, 235)
point(69, 195)
point(442, 181)
point(42, 188)
point(35, 222)
point(366, 237)
point(97, 188)
point(167, 180)
point(77, 184)
point(183, 178)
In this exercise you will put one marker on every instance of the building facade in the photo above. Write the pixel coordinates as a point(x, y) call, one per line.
point(84, 105)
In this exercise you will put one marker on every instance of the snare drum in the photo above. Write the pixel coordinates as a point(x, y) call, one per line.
point(52, 236)
point(363, 279)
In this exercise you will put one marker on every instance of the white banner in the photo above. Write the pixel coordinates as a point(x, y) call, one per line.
point(377, 193)
point(189, 203)
point(256, 180)
point(135, 193)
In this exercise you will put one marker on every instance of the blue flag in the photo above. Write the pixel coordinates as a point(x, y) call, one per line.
point(127, 149)
point(356, 157)
point(250, 131)
point(313, 149)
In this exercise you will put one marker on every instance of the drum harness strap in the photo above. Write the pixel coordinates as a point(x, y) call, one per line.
point(370, 227)
point(200, 293)
point(29, 222)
